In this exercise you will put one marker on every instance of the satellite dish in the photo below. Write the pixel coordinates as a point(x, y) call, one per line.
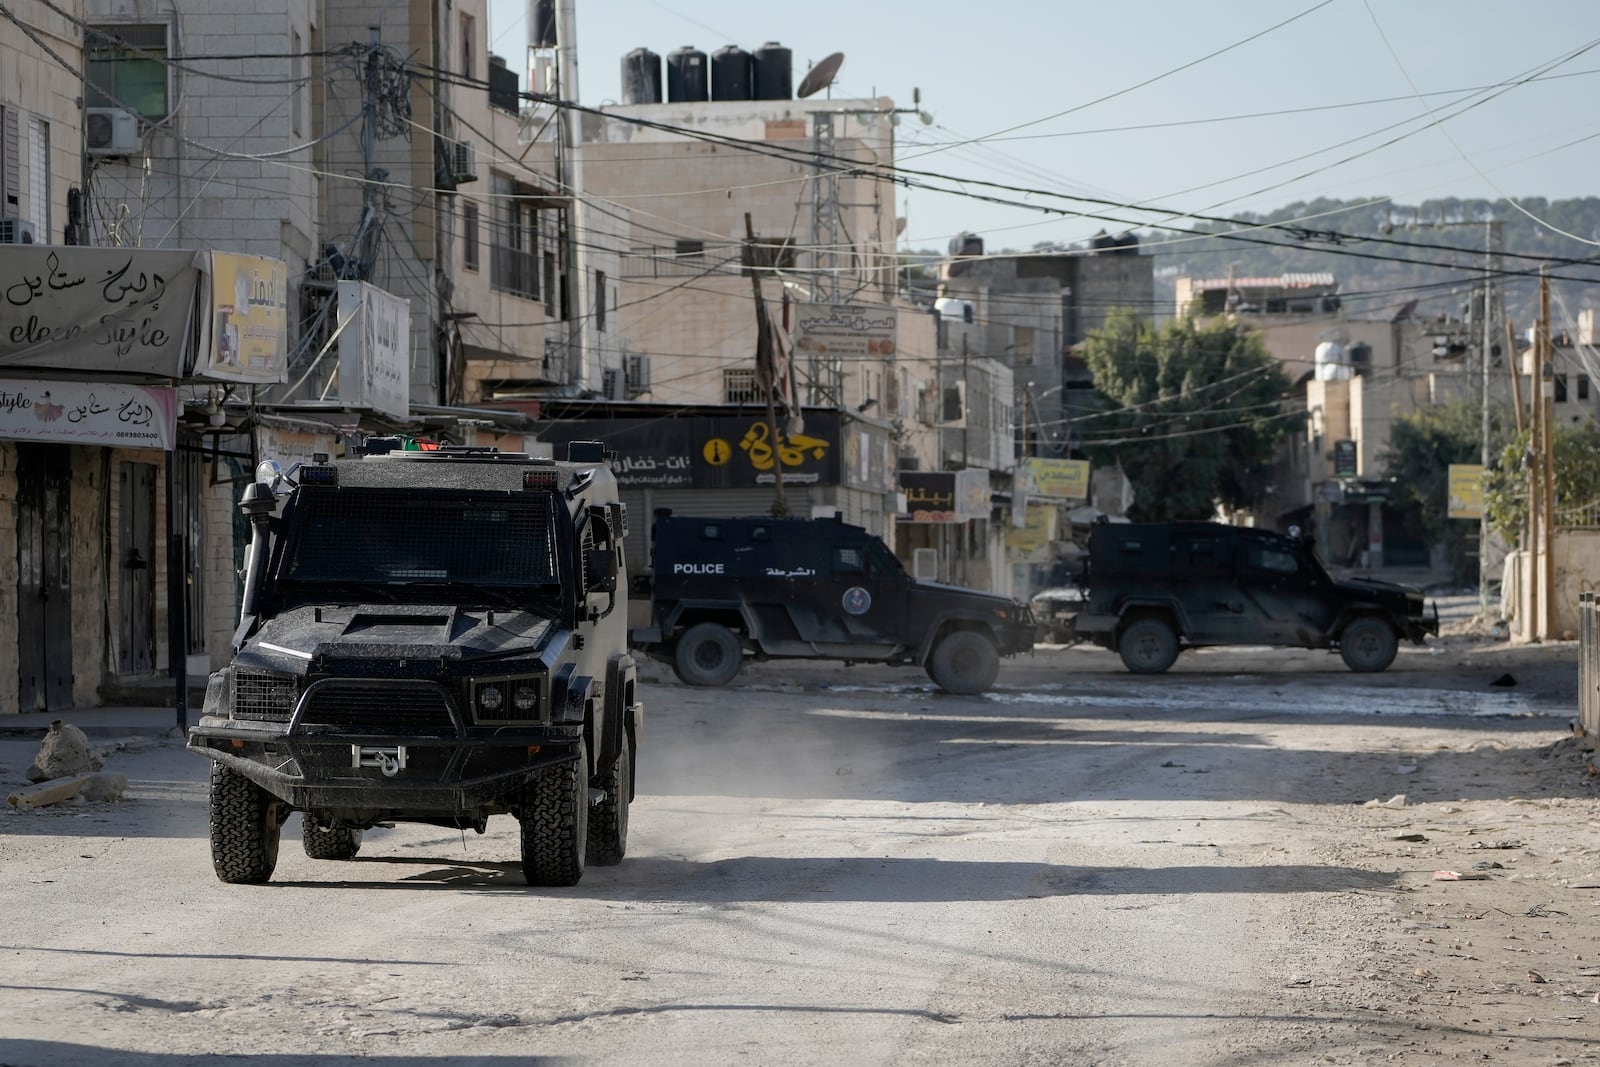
point(820, 76)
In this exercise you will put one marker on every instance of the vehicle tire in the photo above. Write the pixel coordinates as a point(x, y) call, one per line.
point(1148, 646)
point(555, 823)
point(337, 843)
point(707, 654)
point(608, 820)
point(1368, 645)
point(246, 826)
point(964, 662)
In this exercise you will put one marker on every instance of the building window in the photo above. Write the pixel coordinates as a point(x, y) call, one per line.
point(600, 301)
point(10, 166)
point(1583, 387)
point(297, 70)
point(739, 387)
point(126, 67)
point(39, 177)
point(515, 245)
point(1022, 346)
point(467, 63)
point(1561, 389)
point(549, 284)
point(469, 235)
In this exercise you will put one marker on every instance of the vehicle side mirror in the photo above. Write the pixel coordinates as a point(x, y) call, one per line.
point(600, 567)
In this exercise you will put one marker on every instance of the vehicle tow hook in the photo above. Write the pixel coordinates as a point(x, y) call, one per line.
point(596, 796)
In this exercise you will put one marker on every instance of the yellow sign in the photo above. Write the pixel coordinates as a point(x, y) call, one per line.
point(1030, 540)
point(1059, 479)
point(248, 319)
point(1466, 491)
point(717, 452)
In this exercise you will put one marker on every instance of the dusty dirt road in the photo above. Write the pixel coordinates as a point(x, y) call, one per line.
point(832, 866)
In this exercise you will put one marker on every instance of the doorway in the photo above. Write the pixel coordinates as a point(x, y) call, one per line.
point(136, 646)
point(44, 577)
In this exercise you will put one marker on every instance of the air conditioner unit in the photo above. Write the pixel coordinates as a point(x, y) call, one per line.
point(17, 232)
point(925, 564)
point(463, 162)
point(111, 131)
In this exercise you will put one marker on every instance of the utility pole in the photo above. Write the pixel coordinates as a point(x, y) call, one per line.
point(1536, 517)
point(570, 153)
point(766, 370)
point(966, 402)
point(1487, 342)
point(1547, 394)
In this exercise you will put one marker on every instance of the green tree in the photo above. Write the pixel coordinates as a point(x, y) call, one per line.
point(1576, 450)
point(1194, 413)
point(1421, 448)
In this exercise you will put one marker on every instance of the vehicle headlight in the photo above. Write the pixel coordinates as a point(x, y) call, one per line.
point(508, 698)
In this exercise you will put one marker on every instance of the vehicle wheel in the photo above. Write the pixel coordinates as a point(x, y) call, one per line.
point(608, 820)
point(555, 823)
point(1368, 645)
point(708, 654)
point(245, 828)
point(337, 843)
point(964, 662)
point(1148, 646)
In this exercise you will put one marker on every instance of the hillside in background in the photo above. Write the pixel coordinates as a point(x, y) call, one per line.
point(1433, 254)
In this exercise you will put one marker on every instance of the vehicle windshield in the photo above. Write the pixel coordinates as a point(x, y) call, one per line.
point(356, 539)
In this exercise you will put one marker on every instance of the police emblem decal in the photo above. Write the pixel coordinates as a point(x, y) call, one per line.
point(856, 600)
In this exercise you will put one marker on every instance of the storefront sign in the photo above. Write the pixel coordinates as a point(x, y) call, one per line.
point(843, 331)
point(1030, 541)
point(1466, 491)
point(246, 330)
point(1059, 479)
point(85, 413)
point(113, 310)
point(374, 349)
point(709, 451)
point(972, 493)
point(930, 496)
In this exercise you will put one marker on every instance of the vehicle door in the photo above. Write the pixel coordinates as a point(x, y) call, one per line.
point(865, 591)
point(1203, 572)
point(1278, 588)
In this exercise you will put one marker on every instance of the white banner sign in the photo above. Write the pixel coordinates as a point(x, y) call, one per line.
point(84, 413)
point(374, 349)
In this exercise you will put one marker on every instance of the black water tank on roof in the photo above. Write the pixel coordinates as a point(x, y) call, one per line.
point(774, 77)
point(688, 80)
point(544, 24)
point(641, 77)
point(731, 73)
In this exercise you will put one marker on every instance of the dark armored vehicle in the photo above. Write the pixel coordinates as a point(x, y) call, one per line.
point(1157, 588)
point(431, 637)
point(814, 589)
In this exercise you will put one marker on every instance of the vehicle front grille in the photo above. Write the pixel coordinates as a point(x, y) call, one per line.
point(263, 696)
point(378, 706)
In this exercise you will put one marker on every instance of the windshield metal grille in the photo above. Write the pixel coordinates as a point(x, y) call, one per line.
point(379, 706)
point(263, 696)
point(358, 535)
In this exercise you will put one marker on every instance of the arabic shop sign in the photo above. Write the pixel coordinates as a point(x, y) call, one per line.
point(1345, 464)
point(82, 413)
point(117, 310)
point(374, 349)
point(843, 331)
point(246, 326)
point(930, 496)
point(708, 451)
point(1059, 479)
point(1465, 491)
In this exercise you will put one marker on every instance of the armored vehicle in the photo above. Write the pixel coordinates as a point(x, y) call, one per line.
point(770, 588)
point(1157, 588)
point(431, 637)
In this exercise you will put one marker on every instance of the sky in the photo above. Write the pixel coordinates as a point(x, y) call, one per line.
point(1165, 105)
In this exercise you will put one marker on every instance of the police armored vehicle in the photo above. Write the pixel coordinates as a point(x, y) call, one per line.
point(431, 637)
point(1157, 588)
point(814, 589)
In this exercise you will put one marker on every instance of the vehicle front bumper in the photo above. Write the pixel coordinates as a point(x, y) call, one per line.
point(440, 776)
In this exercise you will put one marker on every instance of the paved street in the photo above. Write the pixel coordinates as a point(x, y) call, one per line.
point(833, 866)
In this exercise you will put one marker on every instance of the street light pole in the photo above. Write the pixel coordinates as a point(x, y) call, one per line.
point(1485, 345)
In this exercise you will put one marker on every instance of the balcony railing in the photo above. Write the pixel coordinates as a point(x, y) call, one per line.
point(514, 270)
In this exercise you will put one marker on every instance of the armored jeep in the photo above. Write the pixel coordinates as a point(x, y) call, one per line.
point(431, 637)
point(724, 589)
point(1155, 589)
